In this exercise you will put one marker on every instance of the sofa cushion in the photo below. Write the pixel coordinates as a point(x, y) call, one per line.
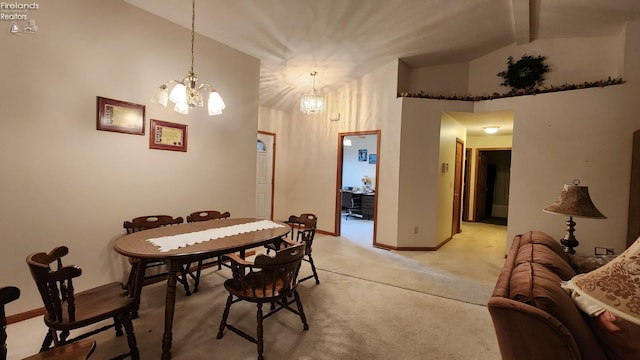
point(539, 237)
point(543, 255)
point(539, 286)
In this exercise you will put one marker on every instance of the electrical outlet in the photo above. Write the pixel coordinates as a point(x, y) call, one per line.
point(603, 251)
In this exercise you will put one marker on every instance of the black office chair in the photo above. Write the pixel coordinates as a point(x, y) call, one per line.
point(351, 204)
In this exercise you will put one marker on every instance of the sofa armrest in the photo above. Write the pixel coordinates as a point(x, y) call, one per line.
point(525, 332)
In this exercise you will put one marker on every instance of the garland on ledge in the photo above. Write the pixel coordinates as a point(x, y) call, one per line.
point(518, 92)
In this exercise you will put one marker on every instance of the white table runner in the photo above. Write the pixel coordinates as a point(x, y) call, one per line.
point(168, 243)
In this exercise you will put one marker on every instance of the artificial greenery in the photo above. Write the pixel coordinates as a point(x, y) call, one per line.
point(524, 74)
point(564, 87)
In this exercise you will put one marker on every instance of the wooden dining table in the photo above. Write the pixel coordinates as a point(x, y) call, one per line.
point(137, 245)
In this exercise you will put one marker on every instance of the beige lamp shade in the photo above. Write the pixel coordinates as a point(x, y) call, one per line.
point(615, 286)
point(575, 201)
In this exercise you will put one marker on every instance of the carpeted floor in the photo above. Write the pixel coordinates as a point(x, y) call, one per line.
point(371, 304)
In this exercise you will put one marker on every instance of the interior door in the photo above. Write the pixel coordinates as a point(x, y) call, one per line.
point(457, 189)
point(264, 175)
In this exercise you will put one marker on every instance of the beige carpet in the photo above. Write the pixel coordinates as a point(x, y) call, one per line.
point(371, 304)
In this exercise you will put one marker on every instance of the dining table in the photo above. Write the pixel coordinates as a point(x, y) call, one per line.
point(189, 242)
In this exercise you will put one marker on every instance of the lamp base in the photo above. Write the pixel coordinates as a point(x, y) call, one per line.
point(569, 241)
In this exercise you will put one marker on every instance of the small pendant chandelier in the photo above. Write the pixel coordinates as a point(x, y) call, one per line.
point(187, 94)
point(313, 103)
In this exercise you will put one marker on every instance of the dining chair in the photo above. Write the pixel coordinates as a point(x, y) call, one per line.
point(67, 310)
point(134, 287)
point(79, 350)
point(305, 224)
point(205, 215)
point(265, 280)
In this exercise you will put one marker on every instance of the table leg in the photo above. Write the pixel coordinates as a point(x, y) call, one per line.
point(169, 308)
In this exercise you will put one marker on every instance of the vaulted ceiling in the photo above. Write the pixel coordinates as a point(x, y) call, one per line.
point(345, 39)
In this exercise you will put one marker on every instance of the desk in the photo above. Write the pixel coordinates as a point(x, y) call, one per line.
point(136, 245)
point(363, 203)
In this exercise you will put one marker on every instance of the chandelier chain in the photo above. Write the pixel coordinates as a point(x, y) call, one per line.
point(193, 30)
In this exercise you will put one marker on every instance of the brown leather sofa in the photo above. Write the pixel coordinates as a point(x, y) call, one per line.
point(534, 318)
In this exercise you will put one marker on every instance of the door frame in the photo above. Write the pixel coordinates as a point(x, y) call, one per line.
point(339, 162)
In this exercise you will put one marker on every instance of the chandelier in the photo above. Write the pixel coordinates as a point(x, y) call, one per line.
point(187, 94)
point(313, 103)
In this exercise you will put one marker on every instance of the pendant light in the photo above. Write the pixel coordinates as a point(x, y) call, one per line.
point(187, 94)
point(313, 103)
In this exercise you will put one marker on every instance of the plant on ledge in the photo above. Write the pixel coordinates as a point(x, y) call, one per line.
point(495, 95)
point(525, 74)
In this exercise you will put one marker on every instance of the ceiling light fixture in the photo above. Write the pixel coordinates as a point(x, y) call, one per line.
point(187, 94)
point(347, 142)
point(491, 129)
point(313, 103)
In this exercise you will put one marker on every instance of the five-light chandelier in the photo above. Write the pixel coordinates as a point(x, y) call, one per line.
point(187, 94)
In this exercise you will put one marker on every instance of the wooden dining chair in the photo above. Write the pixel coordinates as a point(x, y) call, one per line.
point(134, 287)
point(79, 350)
point(305, 224)
point(67, 310)
point(267, 279)
point(205, 215)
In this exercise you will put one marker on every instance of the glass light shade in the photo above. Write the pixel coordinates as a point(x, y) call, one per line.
point(491, 129)
point(181, 108)
point(161, 96)
point(178, 94)
point(346, 142)
point(215, 105)
point(312, 104)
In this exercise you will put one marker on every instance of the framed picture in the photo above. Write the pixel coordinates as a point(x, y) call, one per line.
point(119, 116)
point(372, 158)
point(167, 136)
point(362, 155)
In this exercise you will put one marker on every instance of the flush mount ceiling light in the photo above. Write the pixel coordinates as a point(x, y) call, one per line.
point(187, 94)
point(313, 103)
point(347, 142)
point(491, 129)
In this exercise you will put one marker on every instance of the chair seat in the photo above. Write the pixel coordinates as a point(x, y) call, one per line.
point(254, 288)
point(102, 302)
point(78, 350)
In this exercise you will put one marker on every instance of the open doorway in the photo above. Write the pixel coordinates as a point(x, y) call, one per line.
point(357, 186)
point(493, 174)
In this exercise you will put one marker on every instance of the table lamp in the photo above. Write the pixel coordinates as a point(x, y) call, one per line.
point(615, 285)
point(574, 201)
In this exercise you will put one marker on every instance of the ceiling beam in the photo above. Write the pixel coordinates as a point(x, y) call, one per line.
point(522, 20)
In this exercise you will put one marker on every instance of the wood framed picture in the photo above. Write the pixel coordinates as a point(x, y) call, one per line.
point(166, 135)
point(119, 116)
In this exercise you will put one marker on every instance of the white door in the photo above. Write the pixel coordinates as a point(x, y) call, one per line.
point(264, 176)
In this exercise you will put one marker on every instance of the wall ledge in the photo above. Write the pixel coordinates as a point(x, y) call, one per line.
point(513, 93)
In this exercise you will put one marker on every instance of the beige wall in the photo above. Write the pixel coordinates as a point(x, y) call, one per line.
point(559, 136)
point(309, 144)
point(65, 183)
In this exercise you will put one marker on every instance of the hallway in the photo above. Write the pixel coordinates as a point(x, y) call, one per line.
point(476, 253)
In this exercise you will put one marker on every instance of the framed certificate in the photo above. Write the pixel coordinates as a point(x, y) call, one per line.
point(119, 116)
point(167, 136)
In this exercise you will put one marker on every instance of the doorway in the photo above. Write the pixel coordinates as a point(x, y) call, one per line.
point(493, 174)
point(265, 165)
point(357, 177)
